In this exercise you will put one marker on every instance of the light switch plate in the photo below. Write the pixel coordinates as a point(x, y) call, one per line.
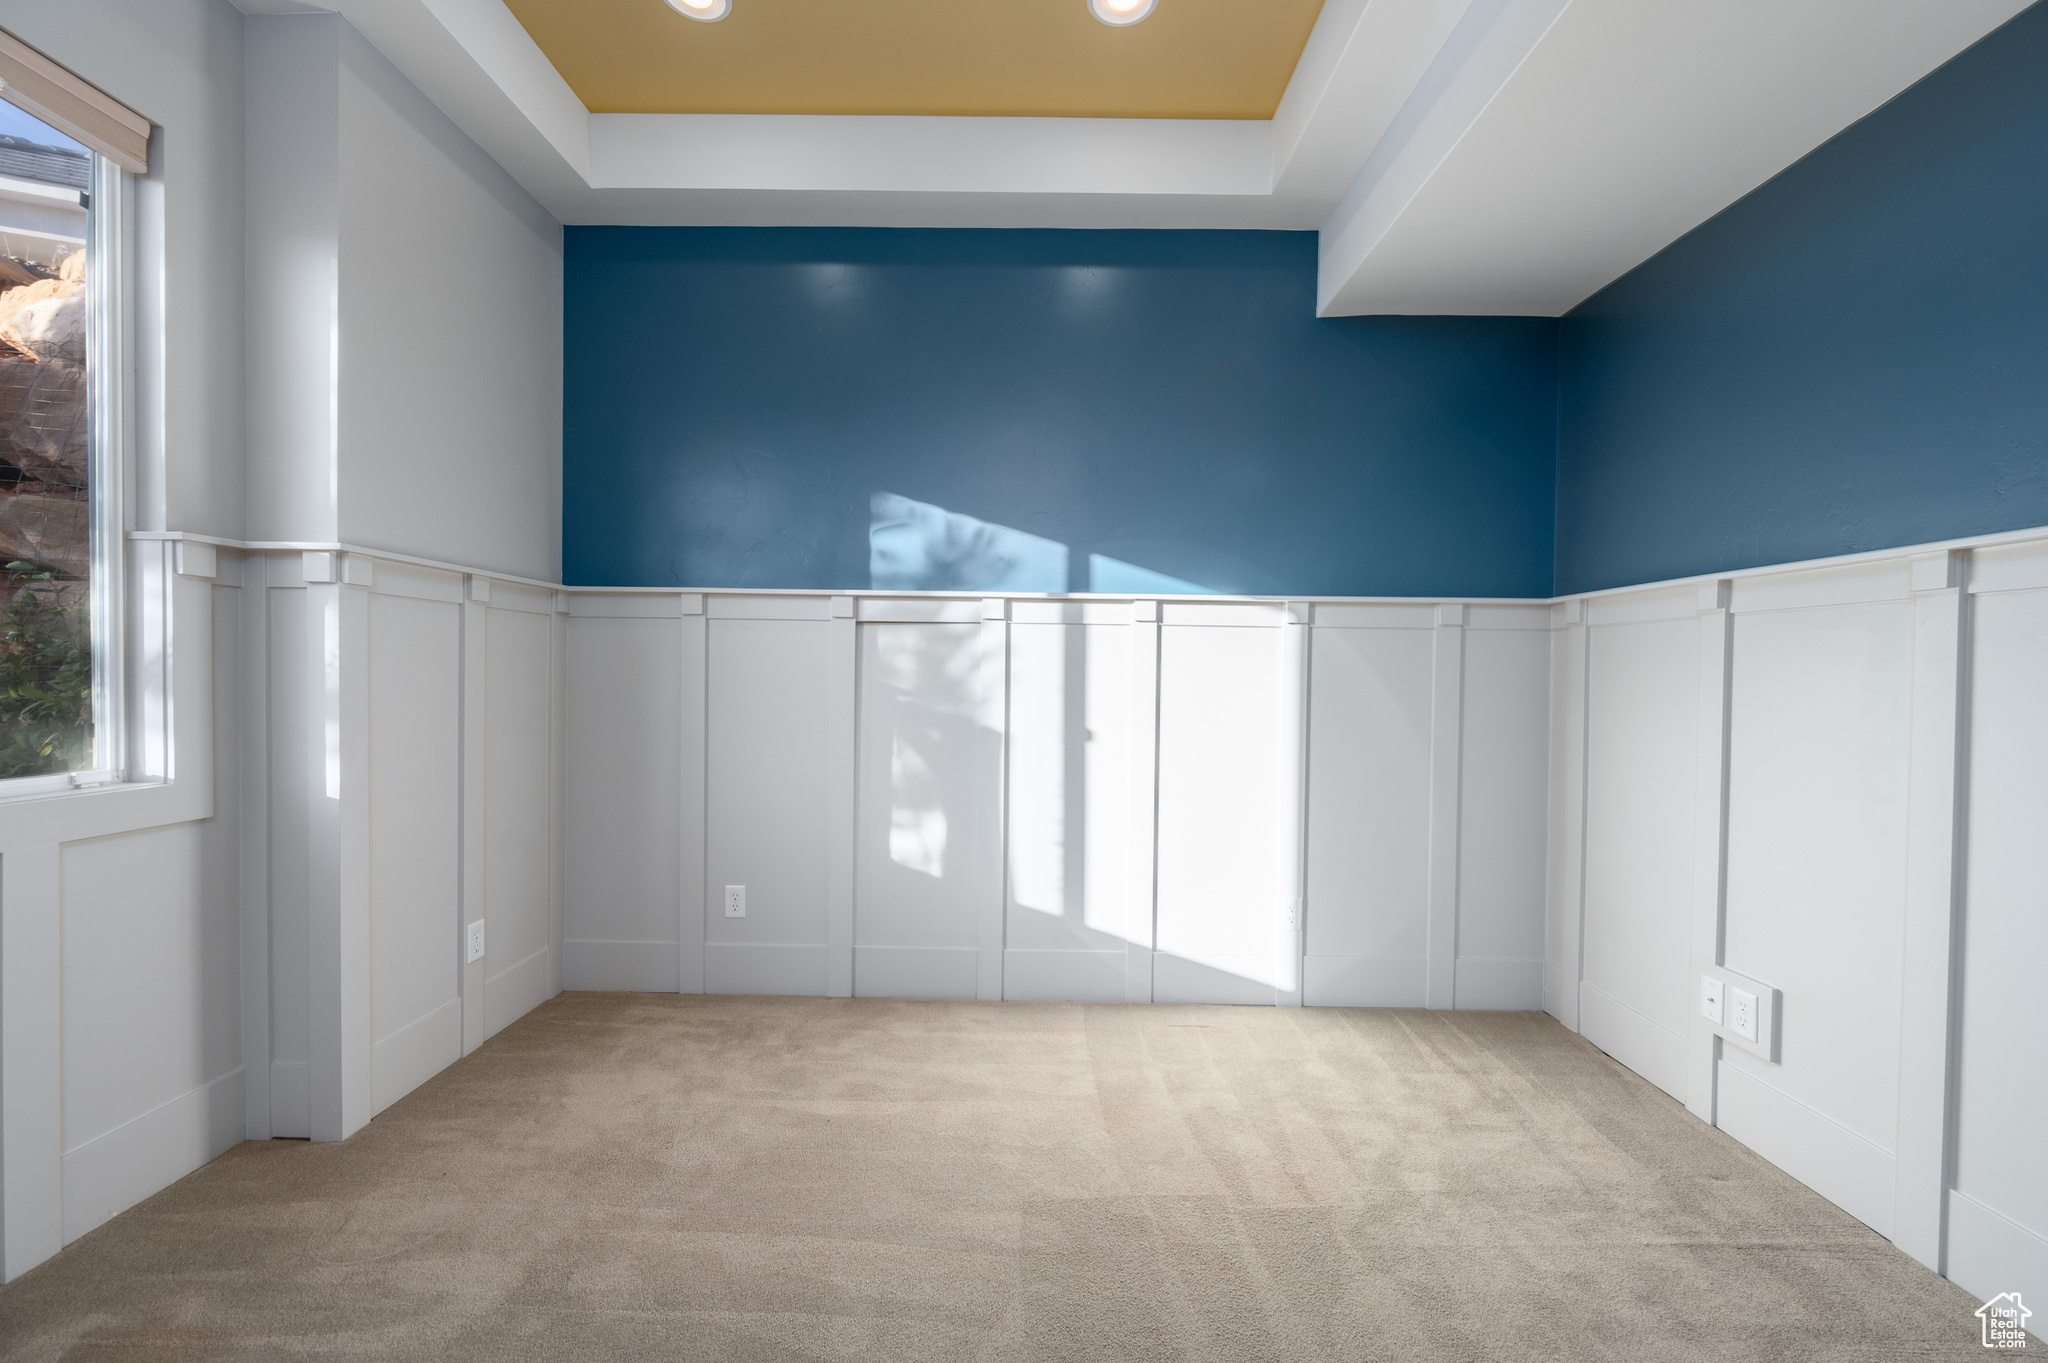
point(474, 945)
point(735, 901)
point(1711, 1004)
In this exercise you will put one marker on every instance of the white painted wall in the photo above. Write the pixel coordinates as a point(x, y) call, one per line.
point(1641, 721)
point(405, 361)
point(408, 743)
point(957, 798)
point(765, 722)
point(1504, 765)
point(1428, 753)
point(280, 886)
point(1371, 697)
point(121, 1019)
point(623, 794)
point(1998, 1214)
point(521, 855)
point(1776, 773)
point(415, 850)
point(450, 339)
point(404, 371)
point(1783, 773)
point(927, 840)
point(1221, 905)
point(293, 271)
point(151, 1028)
point(1820, 718)
point(1076, 901)
point(180, 64)
point(121, 1063)
point(216, 950)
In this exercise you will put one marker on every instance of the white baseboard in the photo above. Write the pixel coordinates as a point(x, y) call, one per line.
point(291, 1099)
point(1496, 984)
point(1820, 1152)
point(764, 968)
point(515, 991)
point(625, 967)
point(414, 1054)
point(915, 972)
point(1651, 1051)
point(111, 1173)
point(1065, 976)
point(1560, 996)
point(1175, 979)
point(1365, 981)
point(1989, 1253)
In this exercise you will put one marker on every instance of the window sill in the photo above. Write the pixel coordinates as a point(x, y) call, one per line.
point(25, 788)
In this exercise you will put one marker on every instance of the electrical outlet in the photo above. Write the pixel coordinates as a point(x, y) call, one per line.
point(1711, 1007)
point(735, 901)
point(1742, 1013)
point(475, 948)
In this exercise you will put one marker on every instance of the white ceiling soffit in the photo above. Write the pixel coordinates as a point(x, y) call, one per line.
point(1459, 156)
point(1563, 142)
point(475, 61)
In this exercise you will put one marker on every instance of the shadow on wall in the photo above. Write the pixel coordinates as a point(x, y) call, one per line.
point(938, 698)
point(915, 546)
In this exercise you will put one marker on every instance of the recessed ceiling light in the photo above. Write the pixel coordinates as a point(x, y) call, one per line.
point(708, 10)
point(1118, 12)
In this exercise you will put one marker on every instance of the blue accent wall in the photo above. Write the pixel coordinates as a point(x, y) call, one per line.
point(826, 408)
point(1853, 357)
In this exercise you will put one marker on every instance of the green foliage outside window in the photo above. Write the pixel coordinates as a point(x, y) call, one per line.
point(45, 676)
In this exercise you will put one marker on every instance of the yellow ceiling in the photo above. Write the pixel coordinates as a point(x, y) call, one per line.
point(1047, 58)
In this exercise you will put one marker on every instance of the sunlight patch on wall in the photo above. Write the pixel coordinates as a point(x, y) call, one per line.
point(915, 546)
point(917, 818)
point(1118, 578)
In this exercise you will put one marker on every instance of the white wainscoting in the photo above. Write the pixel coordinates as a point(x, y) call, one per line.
point(1998, 1215)
point(415, 850)
point(1834, 780)
point(1642, 702)
point(928, 854)
point(1827, 778)
point(1220, 853)
point(1030, 798)
point(1076, 912)
point(519, 852)
point(121, 981)
point(1820, 720)
point(622, 794)
point(403, 761)
point(763, 706)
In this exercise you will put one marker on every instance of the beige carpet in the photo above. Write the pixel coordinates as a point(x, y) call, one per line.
point(646, 1176)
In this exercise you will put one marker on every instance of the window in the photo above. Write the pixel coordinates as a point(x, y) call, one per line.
point(60, 518)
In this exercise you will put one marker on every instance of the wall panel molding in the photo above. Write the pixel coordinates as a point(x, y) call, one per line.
point(1564, 964)
point(1710, 847)
point(1934, 907)
point(842, 762)
point(1142, 933)
point(1446, 773)
point(1843, 615)
point(693, 761)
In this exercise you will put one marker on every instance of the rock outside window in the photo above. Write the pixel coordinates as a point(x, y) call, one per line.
point(47, 597)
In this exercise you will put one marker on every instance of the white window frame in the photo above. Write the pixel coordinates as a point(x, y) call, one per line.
point(107, 352)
